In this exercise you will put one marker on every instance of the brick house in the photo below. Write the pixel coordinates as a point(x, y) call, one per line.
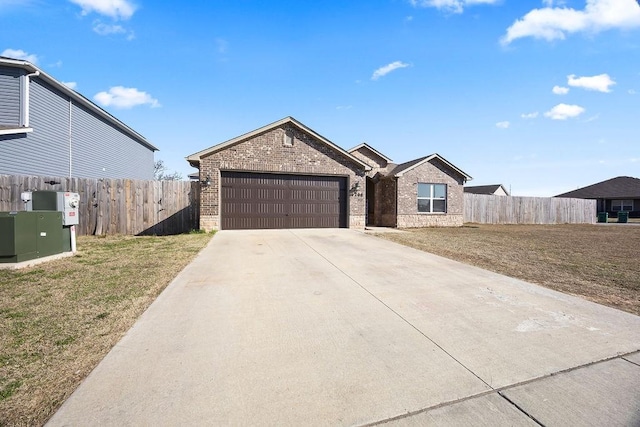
point(425, 192)
point(285, 175)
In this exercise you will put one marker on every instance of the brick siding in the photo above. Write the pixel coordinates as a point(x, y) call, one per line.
point(271, 152)
point(432, 172)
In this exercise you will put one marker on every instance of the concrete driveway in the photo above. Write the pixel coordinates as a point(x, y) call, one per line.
point(336, 327)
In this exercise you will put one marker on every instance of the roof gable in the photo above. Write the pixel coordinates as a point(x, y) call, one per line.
point(373, 150)
point(621, 187)
point(194, 159)
point(412, 164)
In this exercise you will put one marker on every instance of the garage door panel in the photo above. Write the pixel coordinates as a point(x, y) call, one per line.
point(256, 200)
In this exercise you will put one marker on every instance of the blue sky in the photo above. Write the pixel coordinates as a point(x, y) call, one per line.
point(541, 96)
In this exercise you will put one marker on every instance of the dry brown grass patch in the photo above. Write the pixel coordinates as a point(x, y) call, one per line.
point(597, 262)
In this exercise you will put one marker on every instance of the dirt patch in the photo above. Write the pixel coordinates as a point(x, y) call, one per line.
point(597, 262)
point(59, 319)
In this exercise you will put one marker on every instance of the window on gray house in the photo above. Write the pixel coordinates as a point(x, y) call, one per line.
point(432, 198)
point(622, 205)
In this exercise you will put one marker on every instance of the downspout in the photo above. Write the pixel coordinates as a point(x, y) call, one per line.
point(395, 179)
point(24, 114)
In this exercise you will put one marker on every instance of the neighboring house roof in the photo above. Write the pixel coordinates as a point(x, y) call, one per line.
point(194, 159)
point(80, 99)
point(373, 150)
point(485, 189)
point(621, 187)
point(407, 166)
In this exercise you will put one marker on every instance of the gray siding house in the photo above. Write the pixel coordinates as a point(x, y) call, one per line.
point(619, 194)
point(48, 129)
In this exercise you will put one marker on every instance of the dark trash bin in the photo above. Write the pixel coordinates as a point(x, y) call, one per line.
point(623, 216)
point(603, 216)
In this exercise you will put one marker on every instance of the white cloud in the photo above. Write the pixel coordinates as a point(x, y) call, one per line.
point(599, 83)
point(383, 71)
point(529, 115)
point(452, 6)
point(554, 23)
point(559, 90)
point(564, 112)
point(503, 125)
point(116, 9)
point(71, 85)
point(20, 54)
point(106, 29)
point(125, 97)
point(632, 91)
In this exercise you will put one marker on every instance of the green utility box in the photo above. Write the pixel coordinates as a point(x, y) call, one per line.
point(29, 235)
point(623, 216)
point(603, 216)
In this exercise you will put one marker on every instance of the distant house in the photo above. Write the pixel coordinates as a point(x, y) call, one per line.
point(286, 175)
point(496, 190)
point(613, 195)
point(48, 129)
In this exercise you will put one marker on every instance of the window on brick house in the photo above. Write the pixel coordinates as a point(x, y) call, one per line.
point(432, 198)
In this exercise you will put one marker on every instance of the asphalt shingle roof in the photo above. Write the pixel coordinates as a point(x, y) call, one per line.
point(482, 189)
point(621, 187)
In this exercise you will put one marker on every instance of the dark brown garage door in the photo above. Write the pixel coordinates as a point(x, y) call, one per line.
point(259, 200)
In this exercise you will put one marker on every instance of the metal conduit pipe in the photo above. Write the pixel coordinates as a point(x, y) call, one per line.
point(25, 94)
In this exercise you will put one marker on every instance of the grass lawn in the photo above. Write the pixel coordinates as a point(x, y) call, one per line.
point(598, 262)
point(59, 319)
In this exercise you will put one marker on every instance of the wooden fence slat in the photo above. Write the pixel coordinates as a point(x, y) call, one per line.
point(115, 206)
point(489, 209)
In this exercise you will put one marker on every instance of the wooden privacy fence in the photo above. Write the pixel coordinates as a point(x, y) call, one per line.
point(116, 206)
point(489, 209)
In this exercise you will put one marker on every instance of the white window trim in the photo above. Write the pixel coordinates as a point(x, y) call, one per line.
point(14, 131)
point(431, 198)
